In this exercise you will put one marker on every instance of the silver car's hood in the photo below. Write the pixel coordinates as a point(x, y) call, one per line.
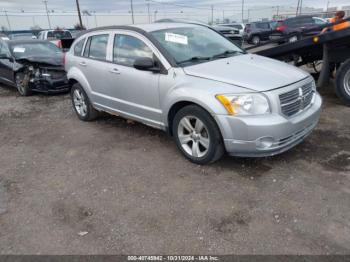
point(249, 71)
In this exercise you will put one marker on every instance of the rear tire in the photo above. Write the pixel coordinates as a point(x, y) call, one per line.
point(256, 40)
point(197, 135)
point(343, 82)
point(82, 105)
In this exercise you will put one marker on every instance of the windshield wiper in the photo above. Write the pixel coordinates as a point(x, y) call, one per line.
point(227, 53)
point(195, 59)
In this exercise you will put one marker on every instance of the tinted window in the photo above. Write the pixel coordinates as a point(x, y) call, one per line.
point(79, 47)
point(58, 34)
point(96, 47)
point(263, 25)
point(127, 49)
point(299, 21)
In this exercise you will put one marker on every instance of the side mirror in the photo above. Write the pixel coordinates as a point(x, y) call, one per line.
point(146, 64)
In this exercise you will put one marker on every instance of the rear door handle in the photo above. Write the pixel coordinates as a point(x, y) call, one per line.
point(114, 71)
point(82, 63)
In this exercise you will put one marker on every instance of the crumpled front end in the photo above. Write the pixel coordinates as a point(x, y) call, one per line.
point(42, 77)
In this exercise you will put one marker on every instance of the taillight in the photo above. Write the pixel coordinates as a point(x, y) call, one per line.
point(281, 28)
point(59, 44)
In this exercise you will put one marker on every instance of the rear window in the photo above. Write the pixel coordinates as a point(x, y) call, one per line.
point(58, 34)
point(237, 26)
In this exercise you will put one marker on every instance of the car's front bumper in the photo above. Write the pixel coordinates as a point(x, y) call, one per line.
point(50, 86)
point(267, 135)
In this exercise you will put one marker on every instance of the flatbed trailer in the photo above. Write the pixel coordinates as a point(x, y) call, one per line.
point(332, 48)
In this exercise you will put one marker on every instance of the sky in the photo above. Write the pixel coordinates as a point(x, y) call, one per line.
point(23, 14)
point(105, 5)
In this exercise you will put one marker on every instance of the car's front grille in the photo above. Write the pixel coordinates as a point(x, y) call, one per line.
point(296, 100)
point(54, 73)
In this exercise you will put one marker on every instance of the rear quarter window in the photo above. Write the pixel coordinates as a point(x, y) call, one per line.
point(78, 48)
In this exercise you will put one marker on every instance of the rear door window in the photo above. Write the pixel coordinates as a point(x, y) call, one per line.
point(96, 47)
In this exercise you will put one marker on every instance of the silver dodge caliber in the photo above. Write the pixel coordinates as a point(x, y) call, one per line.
point(192, 82)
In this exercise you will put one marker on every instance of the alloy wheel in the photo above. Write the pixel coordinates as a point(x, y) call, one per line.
point(79, 102)
point(193, 136)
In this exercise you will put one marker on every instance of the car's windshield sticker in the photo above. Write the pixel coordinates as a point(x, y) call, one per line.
point(175, 38)
point(19, 50)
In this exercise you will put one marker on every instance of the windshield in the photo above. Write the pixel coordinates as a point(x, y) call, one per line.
point(195, 44)
point(34, 49)
point(58, 34)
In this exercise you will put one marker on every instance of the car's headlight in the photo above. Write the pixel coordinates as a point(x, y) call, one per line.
point(245, 104)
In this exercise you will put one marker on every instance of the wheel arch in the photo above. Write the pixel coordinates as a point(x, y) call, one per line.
point(178, 105)
point(74, 76)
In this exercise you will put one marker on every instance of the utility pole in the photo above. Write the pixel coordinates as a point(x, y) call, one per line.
point(155, 15)
point(223, 16)
point(278, 10)
point(79, 14)
point(149, 14)
point(47, 13)
point(212, 14)
point(242, 11)
point(132, 12)
point(7, 19)
point(248, 15)
point(301, 7)
point(327, 8)
point(297, 8)
point(95, 18)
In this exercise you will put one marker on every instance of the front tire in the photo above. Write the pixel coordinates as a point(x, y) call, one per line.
point(22, 87)
point(197, 135)
point(343, 82)
point(82, 105)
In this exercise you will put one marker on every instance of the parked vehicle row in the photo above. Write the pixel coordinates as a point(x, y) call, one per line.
point(288, 30)
point(184, 78)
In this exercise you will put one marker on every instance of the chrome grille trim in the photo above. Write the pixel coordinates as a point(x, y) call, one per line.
point(297, 100)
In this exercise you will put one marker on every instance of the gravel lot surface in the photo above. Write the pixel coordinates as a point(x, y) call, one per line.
point(114, 187)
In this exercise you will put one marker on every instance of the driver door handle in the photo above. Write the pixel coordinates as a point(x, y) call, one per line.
point(82, 63)
point(114, 71)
